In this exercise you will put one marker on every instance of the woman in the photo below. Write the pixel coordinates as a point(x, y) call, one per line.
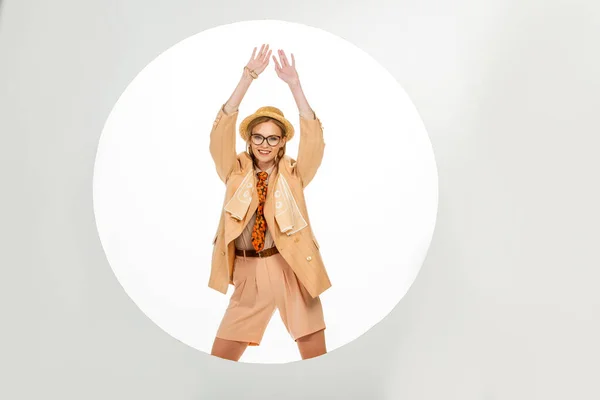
point(264, 244)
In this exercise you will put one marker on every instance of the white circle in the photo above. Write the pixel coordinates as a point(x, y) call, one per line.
point(158, 199)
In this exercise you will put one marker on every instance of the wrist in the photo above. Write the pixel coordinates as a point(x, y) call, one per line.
point(250, 72)
point(294, 84)
point(246, 78)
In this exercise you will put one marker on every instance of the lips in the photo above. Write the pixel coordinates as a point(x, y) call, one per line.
point(266, 153)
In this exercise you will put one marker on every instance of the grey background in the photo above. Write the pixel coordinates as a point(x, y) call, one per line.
point(506, 305)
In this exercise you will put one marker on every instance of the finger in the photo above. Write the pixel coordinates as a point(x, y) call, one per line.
point(277, 66)
point(283, 58)
point(287, 63)
point(268, 58)
point(293, 61)
point(260, 53)
point(253, 54)
point(266, 55)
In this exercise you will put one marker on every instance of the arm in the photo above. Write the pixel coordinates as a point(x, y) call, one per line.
point(222, 136)
point(238, 94)
point(222, 143)
point(303, 107)
point(312, 145)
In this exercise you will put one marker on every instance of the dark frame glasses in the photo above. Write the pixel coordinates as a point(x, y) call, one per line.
point(272, 140)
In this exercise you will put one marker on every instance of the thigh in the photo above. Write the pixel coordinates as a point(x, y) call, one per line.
point(251, 305)
point(301, 313)
point(228, 349)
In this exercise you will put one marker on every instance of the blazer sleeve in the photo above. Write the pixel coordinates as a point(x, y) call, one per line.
point(222, 143)
point(310, 149)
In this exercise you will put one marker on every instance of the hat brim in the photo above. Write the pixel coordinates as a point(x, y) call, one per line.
point(289, 129)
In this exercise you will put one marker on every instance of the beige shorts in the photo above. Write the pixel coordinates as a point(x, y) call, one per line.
point(261, 286)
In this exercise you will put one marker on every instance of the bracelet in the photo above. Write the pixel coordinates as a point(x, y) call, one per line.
point(253, 74)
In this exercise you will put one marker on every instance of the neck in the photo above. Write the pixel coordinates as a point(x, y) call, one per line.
point(264, 166)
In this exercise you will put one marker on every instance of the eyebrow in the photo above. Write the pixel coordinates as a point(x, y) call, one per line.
point(258, 133)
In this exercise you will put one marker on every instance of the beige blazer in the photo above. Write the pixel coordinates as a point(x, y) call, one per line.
point(285, 207)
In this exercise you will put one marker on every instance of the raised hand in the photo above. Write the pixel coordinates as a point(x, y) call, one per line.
point(286, 71)
point(259, 62)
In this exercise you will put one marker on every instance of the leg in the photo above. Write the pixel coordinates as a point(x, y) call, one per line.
point(228, 349)
point(299, 311)
point(312, 345)
point(250, 308)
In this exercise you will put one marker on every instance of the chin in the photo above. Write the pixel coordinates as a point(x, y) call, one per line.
point(265, 158)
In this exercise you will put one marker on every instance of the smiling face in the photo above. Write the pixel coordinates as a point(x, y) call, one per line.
point(272, 139)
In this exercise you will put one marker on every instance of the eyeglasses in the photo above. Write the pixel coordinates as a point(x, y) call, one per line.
point(271, 140)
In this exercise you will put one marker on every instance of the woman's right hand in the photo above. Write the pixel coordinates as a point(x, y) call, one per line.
point(258, 62)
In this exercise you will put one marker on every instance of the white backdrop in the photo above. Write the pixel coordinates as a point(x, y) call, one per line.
point(157, 197)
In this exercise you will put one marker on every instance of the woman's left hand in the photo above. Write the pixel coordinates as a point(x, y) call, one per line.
point(286, 71)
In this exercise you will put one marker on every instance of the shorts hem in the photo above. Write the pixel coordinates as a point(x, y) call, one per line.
point(306, 333)
point(249, 341)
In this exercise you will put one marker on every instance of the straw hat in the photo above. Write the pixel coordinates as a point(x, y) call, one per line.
point(268, 111)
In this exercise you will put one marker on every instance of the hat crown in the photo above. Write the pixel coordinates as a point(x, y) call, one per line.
point(270, 109)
